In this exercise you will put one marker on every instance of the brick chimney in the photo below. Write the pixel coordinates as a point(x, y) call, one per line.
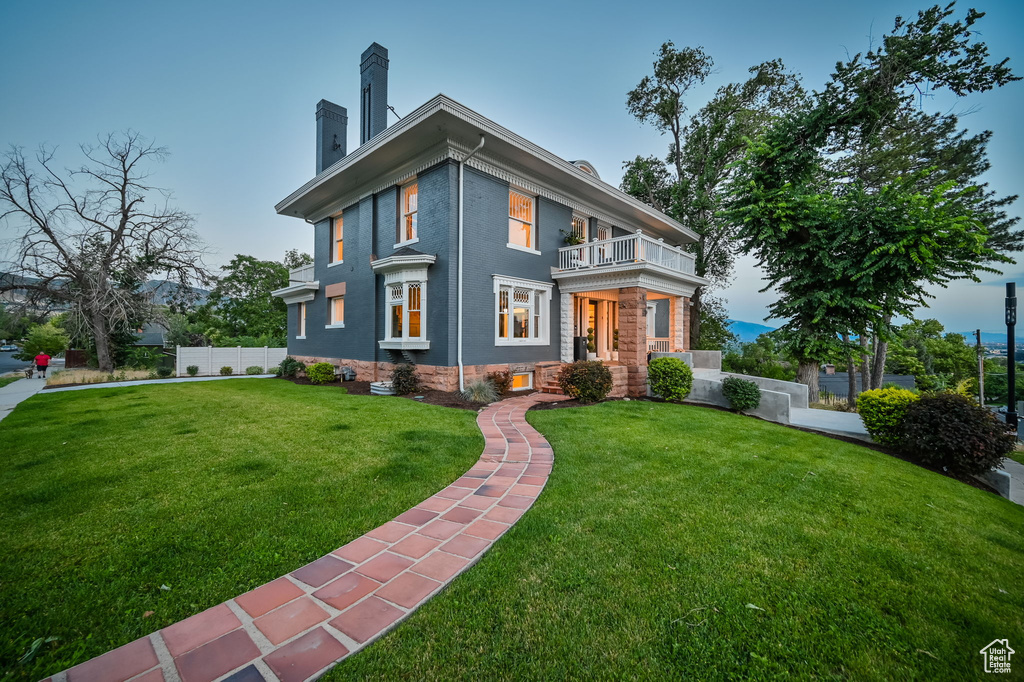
point(331, 133)
point(373, 98)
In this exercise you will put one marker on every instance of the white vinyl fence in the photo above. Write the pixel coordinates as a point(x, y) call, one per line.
point(210, 359)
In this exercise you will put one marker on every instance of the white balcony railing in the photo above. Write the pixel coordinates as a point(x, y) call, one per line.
point(299, 275)
point(632, 248)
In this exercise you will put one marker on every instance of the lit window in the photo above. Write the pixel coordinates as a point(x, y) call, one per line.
point(302, 320)
point(522, 382)
point(521, 308)
point(339, 240)
point(521, 227)
point(405, 317)
point(337, 308)
point(579, 227)
point(407, 219)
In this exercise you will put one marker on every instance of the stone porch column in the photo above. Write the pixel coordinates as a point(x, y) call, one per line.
point(565, 341)
point(679, 305)
point(633, 338)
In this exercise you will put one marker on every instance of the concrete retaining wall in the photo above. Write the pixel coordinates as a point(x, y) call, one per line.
point(775, 405)
point(797, 392)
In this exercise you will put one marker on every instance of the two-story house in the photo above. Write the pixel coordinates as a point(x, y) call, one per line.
point(445, 240)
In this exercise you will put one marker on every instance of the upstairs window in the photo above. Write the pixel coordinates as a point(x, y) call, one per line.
point(338, 239)
point(579, 227)
point(522, 231)
point(408, 200)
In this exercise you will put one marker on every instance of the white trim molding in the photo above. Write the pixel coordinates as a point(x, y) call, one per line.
point(539, 305)
point(299, 293)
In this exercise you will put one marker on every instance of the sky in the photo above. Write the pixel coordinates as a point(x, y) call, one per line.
point(230, 88)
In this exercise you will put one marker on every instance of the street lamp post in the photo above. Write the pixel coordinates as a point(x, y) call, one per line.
point(1011, 359)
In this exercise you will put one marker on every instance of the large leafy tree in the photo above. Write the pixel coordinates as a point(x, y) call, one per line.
point(89, 238)
point(242, 297)
point(842, 251)
point(689, 184)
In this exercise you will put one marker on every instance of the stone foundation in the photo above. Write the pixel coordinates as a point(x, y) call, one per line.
point(437, 377)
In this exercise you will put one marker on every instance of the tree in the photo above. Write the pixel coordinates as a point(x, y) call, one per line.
point(91, 237)
point(43, 338)
point(293, 258)
point(714, 326)
point(243, 301)
point(842, 253)
point(689, 185)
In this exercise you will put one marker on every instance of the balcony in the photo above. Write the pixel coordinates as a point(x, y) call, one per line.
point(299, 275)
point(629, 250)
point(302, 286)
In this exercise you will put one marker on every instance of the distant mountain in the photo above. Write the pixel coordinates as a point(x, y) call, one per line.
point(989, 337)
point(748, 331)
point(163, 292)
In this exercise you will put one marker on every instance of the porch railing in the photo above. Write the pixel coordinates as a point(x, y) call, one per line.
point(632, 248)
point(657, 345)
point(303, 274)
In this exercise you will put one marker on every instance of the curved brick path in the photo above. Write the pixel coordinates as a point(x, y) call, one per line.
point(297, 626)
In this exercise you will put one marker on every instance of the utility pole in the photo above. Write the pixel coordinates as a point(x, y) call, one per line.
point(1011, 356)
point(981, 369)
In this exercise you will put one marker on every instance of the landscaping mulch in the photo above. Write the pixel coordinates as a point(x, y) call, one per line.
point(429, 396)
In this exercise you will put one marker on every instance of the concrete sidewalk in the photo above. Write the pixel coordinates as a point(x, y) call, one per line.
point(14, 393)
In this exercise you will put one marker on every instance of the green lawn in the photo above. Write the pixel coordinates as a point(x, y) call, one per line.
point(7, 380)
point(664, 526)
point(209, 489)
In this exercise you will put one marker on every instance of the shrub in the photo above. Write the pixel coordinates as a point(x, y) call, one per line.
point(276, 371)
point(882, 410)
point(586, 380)
point(290, 367)
point(404, 379)
point(502, 382)
point(252, 370)
point(741, 393)
point(670, 378)
point(226, 371)
point(480, 392)
point(950, 431)
point(164, 372)
point(192, 370)
point(320, 373)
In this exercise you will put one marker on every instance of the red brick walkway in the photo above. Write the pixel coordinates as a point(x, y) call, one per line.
point(297, 626)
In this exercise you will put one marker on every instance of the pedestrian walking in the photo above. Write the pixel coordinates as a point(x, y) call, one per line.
point(42, 362)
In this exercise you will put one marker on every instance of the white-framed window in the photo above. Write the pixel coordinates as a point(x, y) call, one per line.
point(406, 312)
point(604, 232)
point(335, 313)
point(522, 381)
point(338, 240)
point(408, 207)
point(301, 327)
point(579, 227)
point(522, 310)
point(522, 226)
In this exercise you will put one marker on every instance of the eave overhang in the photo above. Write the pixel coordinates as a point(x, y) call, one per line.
point(443, 120)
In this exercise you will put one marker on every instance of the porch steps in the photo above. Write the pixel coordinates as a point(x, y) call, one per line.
point(551, 387)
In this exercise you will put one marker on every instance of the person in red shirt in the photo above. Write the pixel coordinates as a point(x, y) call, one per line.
point(42, 362)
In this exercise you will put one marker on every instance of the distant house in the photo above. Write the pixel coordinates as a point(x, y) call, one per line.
point(449, 241)
point(839, 382)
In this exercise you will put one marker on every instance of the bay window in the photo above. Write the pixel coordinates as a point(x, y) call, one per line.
point(406, 312)
point(522, 310)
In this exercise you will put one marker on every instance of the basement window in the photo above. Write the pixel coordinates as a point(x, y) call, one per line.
point(522, 382)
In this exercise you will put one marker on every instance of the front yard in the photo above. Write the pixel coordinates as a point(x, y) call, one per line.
point(675, 542)
point(127, 509)
point(670, 542)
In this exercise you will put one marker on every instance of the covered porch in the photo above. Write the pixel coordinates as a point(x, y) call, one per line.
point(625, 306)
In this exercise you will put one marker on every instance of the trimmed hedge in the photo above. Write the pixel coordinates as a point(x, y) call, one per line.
point(882, 410)
point(253, 370)
point(320, 373)
point(226, 371)
point(742, 394)
point(586, 380)
point(952, 432)
point(670, 378)
point(192, 370)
